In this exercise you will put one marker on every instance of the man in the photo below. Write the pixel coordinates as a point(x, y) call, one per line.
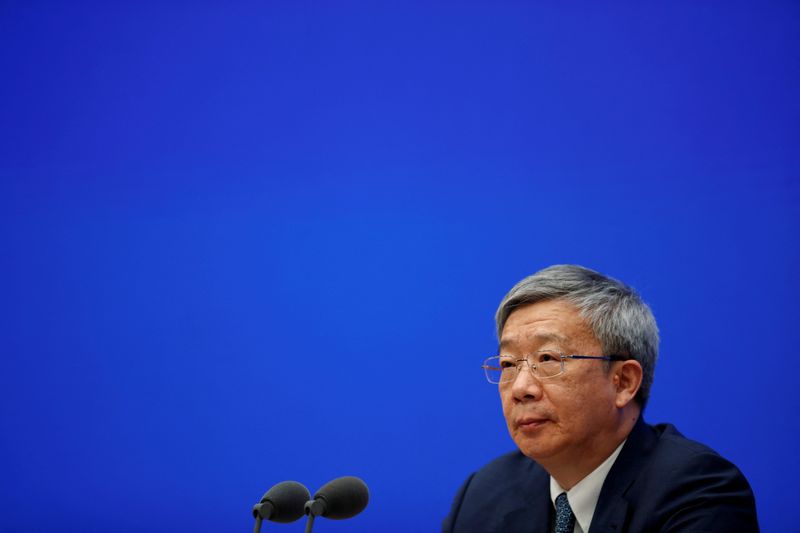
point(576, 361)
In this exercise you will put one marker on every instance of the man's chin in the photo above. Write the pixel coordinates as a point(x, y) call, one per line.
point(537, 448)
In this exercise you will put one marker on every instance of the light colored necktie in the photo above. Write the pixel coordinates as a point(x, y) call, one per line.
point(565, 520)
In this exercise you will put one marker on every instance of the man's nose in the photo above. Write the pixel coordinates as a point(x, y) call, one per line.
point(525, 384)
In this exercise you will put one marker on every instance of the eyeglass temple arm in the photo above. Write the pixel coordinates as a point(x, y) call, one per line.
point(601, 357)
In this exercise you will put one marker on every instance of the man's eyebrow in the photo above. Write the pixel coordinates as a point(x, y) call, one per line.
point(540, 337)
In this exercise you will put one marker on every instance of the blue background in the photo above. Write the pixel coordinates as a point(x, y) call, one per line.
point(242, 243)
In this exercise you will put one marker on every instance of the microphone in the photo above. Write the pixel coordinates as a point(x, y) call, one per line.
point(341, 498)
point(284, 503)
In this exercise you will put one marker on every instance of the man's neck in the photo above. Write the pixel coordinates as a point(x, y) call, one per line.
point(568, 471)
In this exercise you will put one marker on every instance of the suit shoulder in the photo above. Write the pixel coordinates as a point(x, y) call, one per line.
point(686, 485)
point(678, 449)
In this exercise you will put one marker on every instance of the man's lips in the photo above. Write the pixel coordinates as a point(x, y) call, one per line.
point(530, 423)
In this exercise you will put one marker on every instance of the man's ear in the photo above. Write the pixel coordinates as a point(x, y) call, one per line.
point(627, 379)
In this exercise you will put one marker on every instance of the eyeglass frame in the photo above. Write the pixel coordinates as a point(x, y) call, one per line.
point(561, 359)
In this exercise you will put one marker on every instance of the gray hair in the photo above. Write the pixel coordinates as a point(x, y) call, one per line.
point(621, 321)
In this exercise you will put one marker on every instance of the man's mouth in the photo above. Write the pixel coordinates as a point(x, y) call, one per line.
point(531, 423)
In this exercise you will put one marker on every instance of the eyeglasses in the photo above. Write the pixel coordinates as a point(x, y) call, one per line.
point(543, 364)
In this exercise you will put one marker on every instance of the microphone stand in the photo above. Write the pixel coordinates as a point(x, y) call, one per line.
point(314, 508)
point(309, 523)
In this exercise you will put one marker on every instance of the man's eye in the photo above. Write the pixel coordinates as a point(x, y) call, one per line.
point(508, 363)
point(547, 356)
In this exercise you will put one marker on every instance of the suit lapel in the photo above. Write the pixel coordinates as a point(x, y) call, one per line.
point(612, 506)
point(611, 517)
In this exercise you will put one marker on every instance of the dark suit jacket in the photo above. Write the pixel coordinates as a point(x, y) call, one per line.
point(661, 481)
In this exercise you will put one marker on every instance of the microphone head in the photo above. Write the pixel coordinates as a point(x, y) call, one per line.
point(285, 502)
point(344, 497)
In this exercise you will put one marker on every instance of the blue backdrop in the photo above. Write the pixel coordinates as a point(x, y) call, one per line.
point(242, 243)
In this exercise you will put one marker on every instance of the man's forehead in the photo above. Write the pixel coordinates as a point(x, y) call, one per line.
point(555, 321)
point(510, 340)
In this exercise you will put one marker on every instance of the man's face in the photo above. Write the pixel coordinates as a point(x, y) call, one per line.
point(559, 419)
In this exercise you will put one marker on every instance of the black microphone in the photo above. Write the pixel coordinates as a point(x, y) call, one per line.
point(284, 503)
point(341, 498)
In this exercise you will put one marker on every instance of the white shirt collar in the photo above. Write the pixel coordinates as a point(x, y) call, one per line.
point(583, 496)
